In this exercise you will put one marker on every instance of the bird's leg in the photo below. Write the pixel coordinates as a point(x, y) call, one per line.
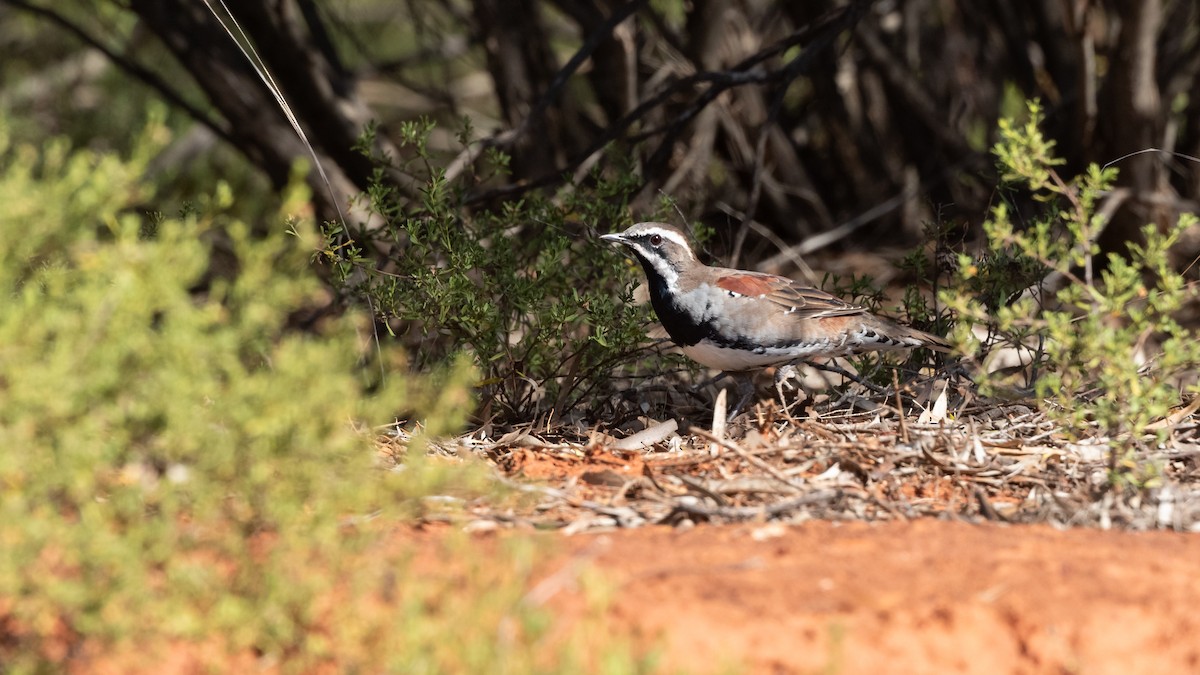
point(697, 390)
point(713, 380)
point(745, 387)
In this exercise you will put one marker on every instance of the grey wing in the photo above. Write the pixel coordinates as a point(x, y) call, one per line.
point(804, 302)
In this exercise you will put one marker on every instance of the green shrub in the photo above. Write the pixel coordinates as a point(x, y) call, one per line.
point(525, 289)
point(180, 467)
point(1086, 335)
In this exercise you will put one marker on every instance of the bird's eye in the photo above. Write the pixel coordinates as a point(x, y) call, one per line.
point(656, 240)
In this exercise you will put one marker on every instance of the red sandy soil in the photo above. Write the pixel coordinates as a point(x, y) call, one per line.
point(818, 597)
point(919, 597)
point(924, 596)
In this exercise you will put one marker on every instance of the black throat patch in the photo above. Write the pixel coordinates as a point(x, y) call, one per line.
point(684, 328)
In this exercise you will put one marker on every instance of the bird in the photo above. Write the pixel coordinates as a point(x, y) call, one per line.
point(737, 321)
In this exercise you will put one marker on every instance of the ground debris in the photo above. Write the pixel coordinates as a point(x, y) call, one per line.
point(999, 462)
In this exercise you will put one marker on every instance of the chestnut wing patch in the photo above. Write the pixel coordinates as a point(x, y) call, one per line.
point(752, 285)
point(800, 302)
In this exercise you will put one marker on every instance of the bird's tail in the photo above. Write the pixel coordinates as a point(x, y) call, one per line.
point(904, 337)
point(931, 341)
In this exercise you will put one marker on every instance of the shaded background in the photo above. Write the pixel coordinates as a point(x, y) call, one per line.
point(832, 123)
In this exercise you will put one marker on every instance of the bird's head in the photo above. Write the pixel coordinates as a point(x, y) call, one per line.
point(662, 249)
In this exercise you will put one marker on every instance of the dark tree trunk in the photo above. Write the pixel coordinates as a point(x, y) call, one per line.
point(522, 66)
point(1134, 122)
point(319, 91)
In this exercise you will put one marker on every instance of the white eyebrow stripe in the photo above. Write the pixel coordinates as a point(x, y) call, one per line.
point(672, 235)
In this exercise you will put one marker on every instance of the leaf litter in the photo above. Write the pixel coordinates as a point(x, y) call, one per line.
point(934, 450)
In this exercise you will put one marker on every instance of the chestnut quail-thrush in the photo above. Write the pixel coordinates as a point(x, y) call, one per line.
point(736, 321)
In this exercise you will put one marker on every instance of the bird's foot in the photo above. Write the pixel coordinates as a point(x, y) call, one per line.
point(784, 376)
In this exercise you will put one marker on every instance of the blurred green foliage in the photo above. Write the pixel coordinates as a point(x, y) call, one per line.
point(180, 466)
